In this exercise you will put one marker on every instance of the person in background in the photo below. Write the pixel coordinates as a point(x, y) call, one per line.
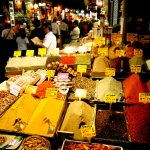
point(55, 28)
point(75, 33)
point(22, 41)
point(8, 45)
point(64, 31)
point(16, 28)
point(49, 41)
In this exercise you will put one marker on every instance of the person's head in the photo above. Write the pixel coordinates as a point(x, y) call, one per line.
point(75, 23)
point(22, 33)
point(47, 27)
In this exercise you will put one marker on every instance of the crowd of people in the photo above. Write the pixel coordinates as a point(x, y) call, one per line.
point(50, 34)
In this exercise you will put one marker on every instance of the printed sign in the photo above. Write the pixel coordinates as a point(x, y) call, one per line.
point(131, 37)
point(99, 41)
point(50, 73)
point(120, 53)
point(103, 51)
point(116, 38)
point(63, 76)
point(138, 52)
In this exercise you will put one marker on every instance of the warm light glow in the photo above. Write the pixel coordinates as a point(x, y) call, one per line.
point(18, 2)
point(58, 8)
point(100, 3)
point(31, 5)
point(42, 4)
point(36, 6)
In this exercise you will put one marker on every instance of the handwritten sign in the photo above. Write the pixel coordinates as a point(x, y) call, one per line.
point(110, 98)
point(50, 73)
point(138, 52)
point(144, 97)
point(135, 68)
point(30, 53)
point(17, 53)
point(103, 51)
point(42, 51)
point(88, 130)
point(81, 68)
point(51, 92)
point(99, 41)
point(116, 38)
point(110, 72)
point(120, 53)
point(131, 37)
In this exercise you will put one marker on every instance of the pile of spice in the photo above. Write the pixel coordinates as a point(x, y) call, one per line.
point(111, 125)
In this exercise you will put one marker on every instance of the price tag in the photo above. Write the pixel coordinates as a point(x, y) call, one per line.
point(120, 53)
point(103, 51)
point(116, 38)
point(110, 72)
point(51, 92)
point(88, 130)
point(81, 68)
point(17, 53)
point(63, 76)
point(138, 52)
point(80, 93)
point(132, 37)
point(135, 68)
point(50, 73)
point(30, 53)
point(144, 97)
point(42, 51)
point(110, 98)
point(99, 41)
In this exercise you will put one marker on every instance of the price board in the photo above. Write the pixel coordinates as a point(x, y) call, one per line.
point(131, 37)
point(144, 97)
point(51, 92)
point(110, 72)
point(110, 98)
point(88, 130)
point(81, 68)
point(120, 53)
point(17, 53)
point(42, 51)
point(103, 51)
point(135, 68)
point(30, 53)
point(138, 52)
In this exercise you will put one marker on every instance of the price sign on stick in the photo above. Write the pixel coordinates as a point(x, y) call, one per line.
point(80, 93)
point(144, 97)
point(135, 68)
point(103, 51)
point(110, 72)
point(110, 98)
point(120, 53)
point(30, 53)
point(81, 68)
point(42, 51)
point(88, 130)
point(51, 92)
point(17, 53)
point(50, 73)
point(63, 76)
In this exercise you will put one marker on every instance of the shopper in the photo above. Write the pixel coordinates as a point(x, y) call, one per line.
point(49, 41)
point(75, 33)
point(55, 28)
point(22, 41)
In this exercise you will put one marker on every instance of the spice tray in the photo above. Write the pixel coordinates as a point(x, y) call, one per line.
point(63, 134)
point(72, 145)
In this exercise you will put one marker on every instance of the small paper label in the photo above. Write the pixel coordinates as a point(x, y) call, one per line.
point(17, 53)
point(15, 89)
point(138, 52)
point(110, 72)
point(42, 51)
point(88, 130)
point(51, 92)
point(110, 98)
point(120, 53)
point(50, 73)
point(30, 53)
point(81, 68)
point(135, 68)
point(103, 51)
point(99, 41)
point(144, 97)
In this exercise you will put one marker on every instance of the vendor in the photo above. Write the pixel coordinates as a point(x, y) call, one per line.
point(75, 33)
point(49, 41)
